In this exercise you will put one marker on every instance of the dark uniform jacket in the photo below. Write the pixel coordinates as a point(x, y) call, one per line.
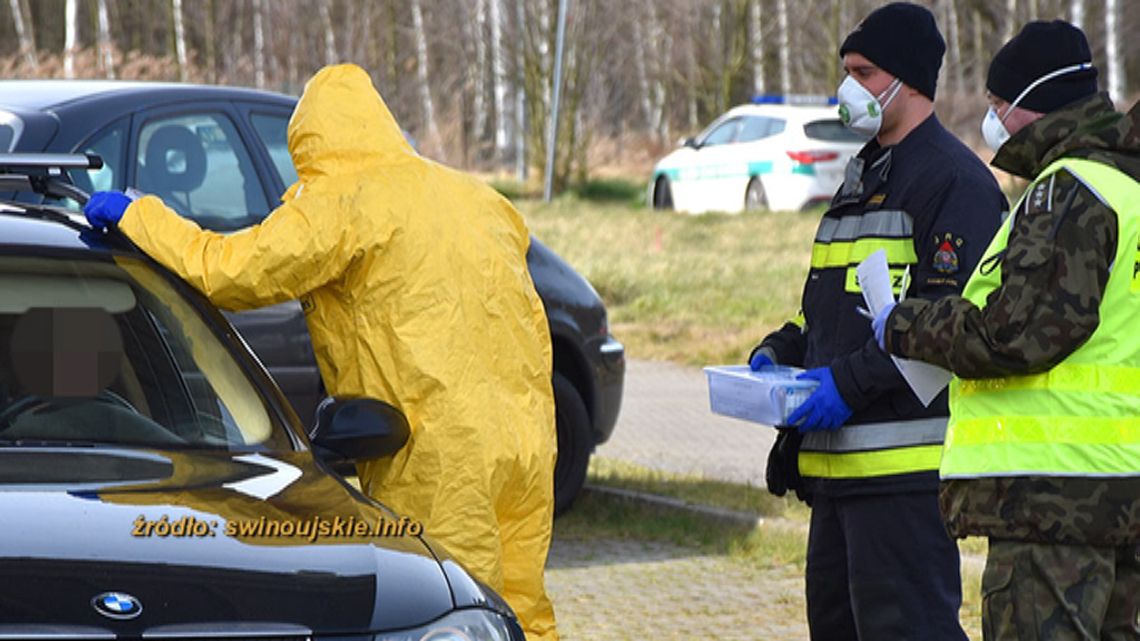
point(955, 207)
point(1054, 273)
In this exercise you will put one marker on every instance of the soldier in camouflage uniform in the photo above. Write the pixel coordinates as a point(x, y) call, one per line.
point(1041, 455)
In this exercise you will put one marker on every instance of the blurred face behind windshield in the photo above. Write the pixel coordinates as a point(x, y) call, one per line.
point(112, 354)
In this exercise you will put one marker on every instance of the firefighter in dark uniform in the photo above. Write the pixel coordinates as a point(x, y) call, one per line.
point(880, 564)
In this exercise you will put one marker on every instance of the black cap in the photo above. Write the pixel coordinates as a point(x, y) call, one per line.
point(903, 40)
point(1039, 48)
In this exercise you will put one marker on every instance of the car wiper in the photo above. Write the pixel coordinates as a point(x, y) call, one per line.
point(46, 174)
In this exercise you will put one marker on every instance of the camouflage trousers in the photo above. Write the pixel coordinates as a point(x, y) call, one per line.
point(1039, 592)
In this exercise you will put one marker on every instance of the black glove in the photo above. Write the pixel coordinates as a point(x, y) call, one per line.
point(783, 471)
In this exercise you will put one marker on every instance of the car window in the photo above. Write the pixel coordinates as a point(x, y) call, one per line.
point(200, 167)
point(111, 353)
point(110, 144)
point(831, 130)
point(273, 132)
point(758, 128)
point(724, 133)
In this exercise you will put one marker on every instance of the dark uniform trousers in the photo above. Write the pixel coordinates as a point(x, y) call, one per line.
point(868, 579)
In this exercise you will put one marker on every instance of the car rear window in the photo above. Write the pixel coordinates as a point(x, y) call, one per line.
point(832, 131)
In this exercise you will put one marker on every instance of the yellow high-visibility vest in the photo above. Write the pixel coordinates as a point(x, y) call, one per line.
point(1081, 418)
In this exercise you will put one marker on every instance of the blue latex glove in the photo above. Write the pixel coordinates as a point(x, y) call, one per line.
point(879, 325)
point(825, 409)
point(759, 360)
point(105, 208)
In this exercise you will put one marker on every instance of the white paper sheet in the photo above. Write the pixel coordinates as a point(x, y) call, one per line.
point(925, 380)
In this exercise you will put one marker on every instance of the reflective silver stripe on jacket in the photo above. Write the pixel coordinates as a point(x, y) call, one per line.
point(886, 223)
point(877, 436)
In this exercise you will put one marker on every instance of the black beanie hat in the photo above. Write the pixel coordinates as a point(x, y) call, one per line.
point(903, 40)
point(1039, 48)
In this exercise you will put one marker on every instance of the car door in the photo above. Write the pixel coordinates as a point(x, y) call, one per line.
point(699, 180)
point(206, 163)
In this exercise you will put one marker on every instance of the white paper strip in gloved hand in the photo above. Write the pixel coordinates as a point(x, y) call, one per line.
point(925, 380)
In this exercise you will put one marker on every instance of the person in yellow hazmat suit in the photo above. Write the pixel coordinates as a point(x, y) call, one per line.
point(415, 287)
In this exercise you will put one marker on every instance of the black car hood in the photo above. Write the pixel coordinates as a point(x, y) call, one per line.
point(76, 526)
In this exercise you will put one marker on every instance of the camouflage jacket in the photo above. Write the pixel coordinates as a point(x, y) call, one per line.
point(1053, 278)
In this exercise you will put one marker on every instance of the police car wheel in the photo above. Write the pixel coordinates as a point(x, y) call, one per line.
point(662, 194)
point(754, 197)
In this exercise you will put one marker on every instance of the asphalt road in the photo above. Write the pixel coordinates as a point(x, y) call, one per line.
point(665, 423)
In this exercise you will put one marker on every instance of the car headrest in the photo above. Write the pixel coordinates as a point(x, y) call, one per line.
point(66, 352)
point(175, 161)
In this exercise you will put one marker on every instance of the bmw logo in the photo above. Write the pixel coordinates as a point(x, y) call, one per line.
point(117, 605)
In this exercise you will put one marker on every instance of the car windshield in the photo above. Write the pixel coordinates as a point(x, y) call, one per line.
point(111, 353)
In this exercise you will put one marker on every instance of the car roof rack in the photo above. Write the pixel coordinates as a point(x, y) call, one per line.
point(46, 174)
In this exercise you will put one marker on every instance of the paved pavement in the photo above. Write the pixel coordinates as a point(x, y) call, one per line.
point(612, 590)
point(665, 423)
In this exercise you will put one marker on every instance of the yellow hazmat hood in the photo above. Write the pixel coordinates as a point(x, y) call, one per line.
point(341, 116)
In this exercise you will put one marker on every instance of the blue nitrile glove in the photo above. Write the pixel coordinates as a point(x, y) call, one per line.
point(759, 359)
point(879, 325)
point(105, 208)
point(825, 409)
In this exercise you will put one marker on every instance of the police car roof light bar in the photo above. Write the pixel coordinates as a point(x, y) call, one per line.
point(794, 99)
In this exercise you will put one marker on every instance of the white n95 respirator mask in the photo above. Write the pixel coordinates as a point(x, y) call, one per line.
point(993, 126)
point(860, 110)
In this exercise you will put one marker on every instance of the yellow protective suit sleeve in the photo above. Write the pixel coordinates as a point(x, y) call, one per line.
point(300, 246)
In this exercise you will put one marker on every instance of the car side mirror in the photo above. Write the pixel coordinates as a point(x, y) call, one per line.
point(358, 428)
point(689, 142)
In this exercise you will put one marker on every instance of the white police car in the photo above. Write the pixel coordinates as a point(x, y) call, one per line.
point(779, 154)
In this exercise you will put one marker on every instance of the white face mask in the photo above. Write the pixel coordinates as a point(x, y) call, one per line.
point(993, 127)
point(862, 111)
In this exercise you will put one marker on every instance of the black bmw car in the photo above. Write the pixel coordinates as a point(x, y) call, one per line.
point(219, 155)
point(154, 482)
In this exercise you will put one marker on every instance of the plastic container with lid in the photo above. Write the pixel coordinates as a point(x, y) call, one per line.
point(767, 396)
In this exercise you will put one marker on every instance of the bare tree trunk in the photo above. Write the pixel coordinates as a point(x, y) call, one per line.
point(179, 39)
point(693, 76)
point(544, 56)
point(25, 35)
point(211, 45)
point(692, 72)
point(520, 97)
point(756, 39)
point(499, 76)
point(660, 44)
point(1113, 50)
point(106, 55)
point(955, 44)
point(1010, 20)
point(70, 37)
point(367, 38)
point(259, 44)
point(478, 71)
point(1077, 13)
point(422, 73)
point(330, 33)
point(785, 63)
point(981, 64)
point(1032, 9)
point(640, 54)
